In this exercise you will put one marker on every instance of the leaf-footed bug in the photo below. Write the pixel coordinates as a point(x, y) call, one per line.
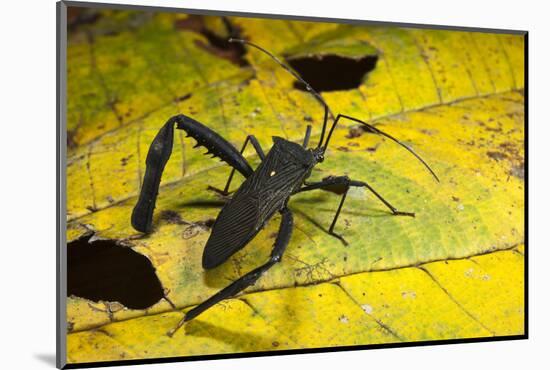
point(266, 190)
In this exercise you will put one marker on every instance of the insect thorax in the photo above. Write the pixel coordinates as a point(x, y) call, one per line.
point(293, 152)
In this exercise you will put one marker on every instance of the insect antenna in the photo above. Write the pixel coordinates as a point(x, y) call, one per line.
point(306, 137)
point(297, 76)
point(374, 130)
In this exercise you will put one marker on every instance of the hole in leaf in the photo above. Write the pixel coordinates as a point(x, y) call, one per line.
point(104, 271)
point(217, 44)
point(332, 72)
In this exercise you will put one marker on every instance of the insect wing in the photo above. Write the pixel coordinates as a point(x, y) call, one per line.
point(236, 224)
point(259, 197)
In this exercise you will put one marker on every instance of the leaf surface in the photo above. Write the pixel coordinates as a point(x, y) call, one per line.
point(455, 97)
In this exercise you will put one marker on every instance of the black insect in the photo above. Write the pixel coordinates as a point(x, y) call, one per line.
point(282, 173)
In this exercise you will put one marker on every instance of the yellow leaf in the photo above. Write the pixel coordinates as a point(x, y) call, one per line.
point(453, 271)
point(406, 304)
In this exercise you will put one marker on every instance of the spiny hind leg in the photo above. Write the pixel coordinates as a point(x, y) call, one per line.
point(252, 139)
point(159, 154)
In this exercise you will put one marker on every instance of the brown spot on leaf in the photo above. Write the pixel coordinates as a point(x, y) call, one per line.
point(497, 156)
point(195, 228)
point(218, 44)
point(511, 150)
point(124, 161)
point(518, 171)
point(429, 132)
point(71, 139)
point(171, 217)
point(190, 232)
point(372, 149)
point(78, 17)
point(354, 132)
point(122, 62)
point(209, 222)
point(489, 128)
point(179, 99)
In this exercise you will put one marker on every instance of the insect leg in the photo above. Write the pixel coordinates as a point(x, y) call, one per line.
point(159, 153)
point(283, 237)
point(258, 149)
point(306, 137)
point(341, 185)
